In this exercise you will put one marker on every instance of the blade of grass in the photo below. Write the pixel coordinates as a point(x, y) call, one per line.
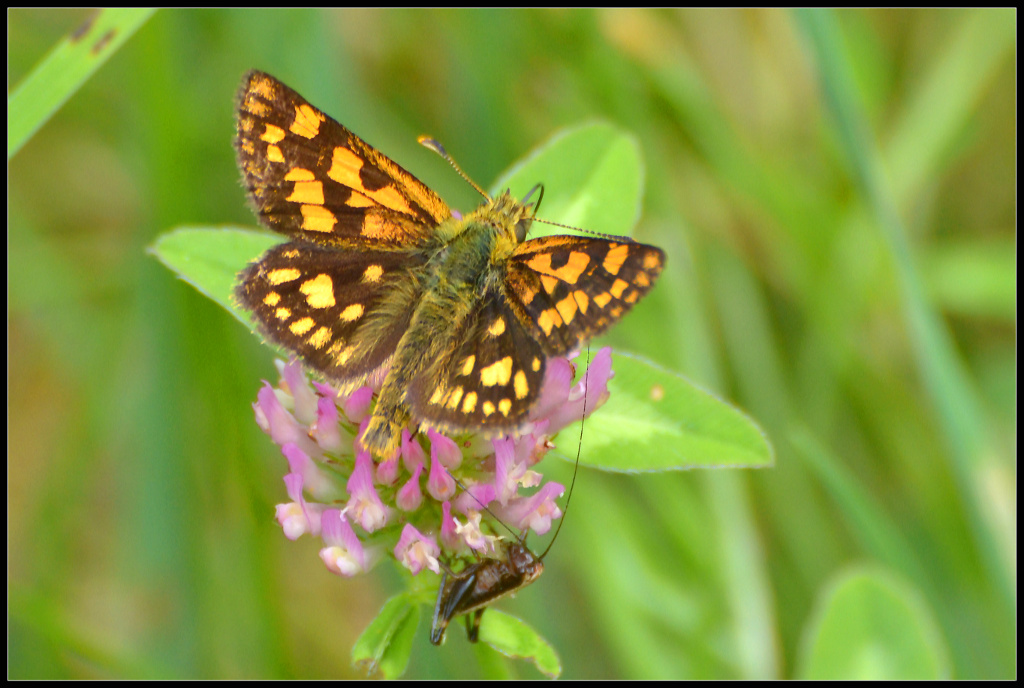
point(941, 370)
point(65, 69)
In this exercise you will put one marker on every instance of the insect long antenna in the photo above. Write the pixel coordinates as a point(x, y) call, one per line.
point(435, 146)
point(518, 536)
point(579, 449)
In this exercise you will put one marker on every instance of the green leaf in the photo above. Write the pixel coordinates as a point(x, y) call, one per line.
point(657, 420)
point(65, 69)
point(593, 177)
point(210, 258)
point(513, 638)
point(871, 626)
point(385, 646)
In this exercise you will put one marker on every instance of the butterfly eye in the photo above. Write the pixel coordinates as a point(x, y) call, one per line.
point(522, 228)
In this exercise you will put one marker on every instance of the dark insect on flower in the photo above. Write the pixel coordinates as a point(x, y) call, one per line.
point(477, 586)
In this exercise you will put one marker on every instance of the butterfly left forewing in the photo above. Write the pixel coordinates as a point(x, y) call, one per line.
point(569, 289)
point(341, 294)
point(311, 178)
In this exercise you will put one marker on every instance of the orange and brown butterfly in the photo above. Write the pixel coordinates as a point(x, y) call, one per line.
point(379, 278)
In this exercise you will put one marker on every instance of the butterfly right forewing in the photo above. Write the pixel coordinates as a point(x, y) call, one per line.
point(569, 289)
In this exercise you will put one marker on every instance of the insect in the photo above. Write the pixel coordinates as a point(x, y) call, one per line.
point(474, 588)
point(379, 279)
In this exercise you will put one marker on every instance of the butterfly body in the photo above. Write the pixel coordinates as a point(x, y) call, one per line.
point(467, 257)
point(380, 279)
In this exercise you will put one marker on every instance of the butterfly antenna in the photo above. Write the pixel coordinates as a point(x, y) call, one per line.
point(579, 449)
point(435, 146)
point(614, 237)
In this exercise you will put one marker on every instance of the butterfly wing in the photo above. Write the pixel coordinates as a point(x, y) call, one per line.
point(341, 293)
point(312, 179)
point(569, 289)
point(557, 293)
point(492, 379)
point(343, 312)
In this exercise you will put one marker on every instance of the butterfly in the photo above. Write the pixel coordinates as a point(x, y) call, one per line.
point(455, 316)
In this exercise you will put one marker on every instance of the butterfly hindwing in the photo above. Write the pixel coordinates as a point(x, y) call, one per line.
point(492, 380)
point(339, 310)
point(311, 178)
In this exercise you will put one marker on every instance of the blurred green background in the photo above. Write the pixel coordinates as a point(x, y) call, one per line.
point(857, 296)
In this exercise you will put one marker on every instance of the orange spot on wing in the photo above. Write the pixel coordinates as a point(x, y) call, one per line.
point(307, 121)
point(272, 133)
point(345, 166)
point(615, 257)
point(320, 338)
point(299, 174)
point(319, 291)
point(567, 308)
point(316, 218)
point(582, 300)
point(571, 271)
point(307, 192)
point(652, 260)
point(390, 197)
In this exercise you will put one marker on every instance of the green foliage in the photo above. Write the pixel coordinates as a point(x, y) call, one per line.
point(836, 195)
point(65, 69)
point(384, 647)
point(872, 628)
point(512, 638)
point(656, 420)
point(210, 258)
